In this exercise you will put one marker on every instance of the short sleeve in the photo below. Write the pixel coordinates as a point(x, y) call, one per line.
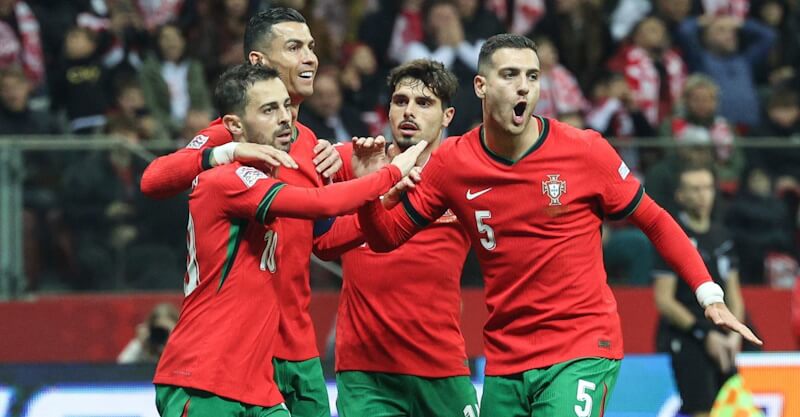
point(426, 202)
point(620, 192)
point(246, 192)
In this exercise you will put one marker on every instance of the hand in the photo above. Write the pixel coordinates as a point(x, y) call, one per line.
point(369, 155)
point(253, 153)
point(407, 160)
point(719, 349)
point(326, 159)
point(409, 182)
point(719, 314)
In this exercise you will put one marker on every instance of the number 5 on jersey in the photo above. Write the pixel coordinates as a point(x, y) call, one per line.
point(584, 397)
point(488, 242)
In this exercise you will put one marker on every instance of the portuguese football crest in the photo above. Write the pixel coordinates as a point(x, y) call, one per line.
point(554, 188)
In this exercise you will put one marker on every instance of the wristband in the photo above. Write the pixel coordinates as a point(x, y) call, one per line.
point(709, 293)
point(700, 329)
point(223, 154)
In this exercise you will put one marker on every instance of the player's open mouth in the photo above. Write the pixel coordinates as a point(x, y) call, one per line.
point(408, 128)
point(306, 75)
point(284, 136)
point(519, 112)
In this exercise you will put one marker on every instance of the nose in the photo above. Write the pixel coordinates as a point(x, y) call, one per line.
point(309, 57)
point(524, 86)
point(409, 110)
point(285, 115)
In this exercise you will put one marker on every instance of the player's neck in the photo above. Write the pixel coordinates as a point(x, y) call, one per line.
point(507, 145)
point(423, 158)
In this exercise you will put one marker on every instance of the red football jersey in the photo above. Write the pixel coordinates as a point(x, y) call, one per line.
point(173, 173)
point(225, 337)
point(535, 224)
point(400, 312)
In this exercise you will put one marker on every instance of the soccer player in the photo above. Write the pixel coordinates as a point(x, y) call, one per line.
point(399, 347)
point(532, 194)
point(277, 38)
point(216, 362)
point(703, 357)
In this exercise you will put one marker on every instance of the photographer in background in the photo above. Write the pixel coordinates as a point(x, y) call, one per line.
point(151, 336)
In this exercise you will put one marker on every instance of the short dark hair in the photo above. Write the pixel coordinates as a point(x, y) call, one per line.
point(432, 74)
point(686, 167)
point(230, 95)
point(503, 40)
point(261, 23)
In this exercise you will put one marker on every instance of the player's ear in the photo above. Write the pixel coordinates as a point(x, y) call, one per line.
point(256, 58)
point(448, 116)
point(480, 86)
point(233, 123)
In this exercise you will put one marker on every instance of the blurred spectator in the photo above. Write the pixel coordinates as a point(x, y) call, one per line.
point(660, 179)
point(616, 115)
point(626, 15)
point(121, 239)
point(735, 8)
point(121, 32)
point(782, 121)
point(130, 104)
point(580, 33)
point(784, 59)
point(17, 118)
point(360, 77)
point(702, 355)
point(521, 16)
point(698, 122)
point(673, 12)
point(760, 224)
point(654, 71)
point(720, 56)
point(327, 115)
point(405, 19)
point(81, 83)
point(151, 336)
point(16, 115)
point(445, 40)
point(173, 84)
point(559, 93)
point(20, 40)
point(478, 22)
point(215, 30)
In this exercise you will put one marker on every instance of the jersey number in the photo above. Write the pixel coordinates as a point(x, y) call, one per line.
point(192, 279)
point(268, 257)
point(584, 397)
point(488, 242)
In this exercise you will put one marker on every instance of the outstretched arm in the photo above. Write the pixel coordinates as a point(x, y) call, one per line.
point(675, 247)
point(343, 234)
point(385, 229)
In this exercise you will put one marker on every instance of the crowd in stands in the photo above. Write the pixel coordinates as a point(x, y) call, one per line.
point(702, 75)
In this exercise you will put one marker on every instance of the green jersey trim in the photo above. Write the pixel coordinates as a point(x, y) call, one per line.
point(235, 236)
point(266, 202)
point(630, 208)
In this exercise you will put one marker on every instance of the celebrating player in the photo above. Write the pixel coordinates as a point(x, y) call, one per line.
point(532, 194)
point(216, 361)
point(277, 38)
point(399, 348)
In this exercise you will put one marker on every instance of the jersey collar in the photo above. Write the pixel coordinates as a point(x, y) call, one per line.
point(544, 129)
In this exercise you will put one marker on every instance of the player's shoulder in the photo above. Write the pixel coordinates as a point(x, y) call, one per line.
point(571, 137)
point(304, 133)
point(344, 148)
point(214, 135)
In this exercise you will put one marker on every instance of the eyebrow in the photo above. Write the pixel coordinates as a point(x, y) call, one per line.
point(268, 105)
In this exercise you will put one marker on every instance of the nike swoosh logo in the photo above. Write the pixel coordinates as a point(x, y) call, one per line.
point(471, 196)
